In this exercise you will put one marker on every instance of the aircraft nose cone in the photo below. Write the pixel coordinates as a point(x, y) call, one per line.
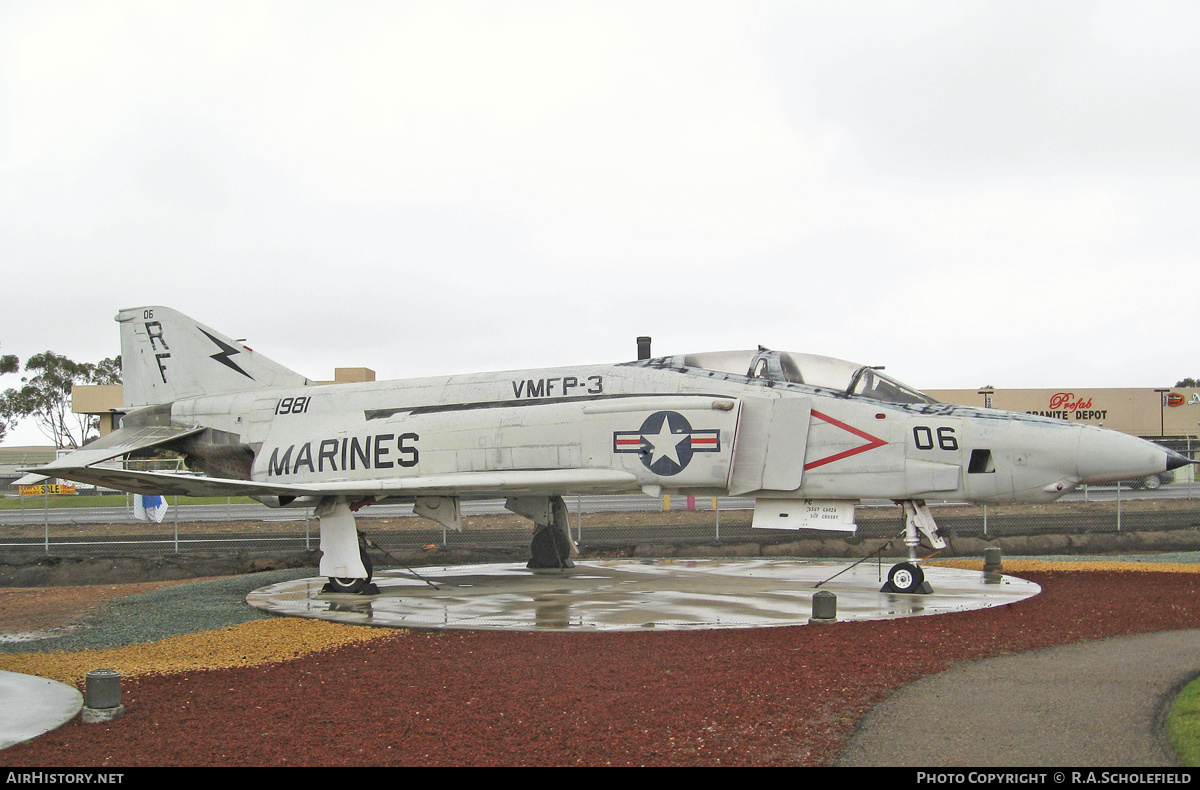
point(1175, 460)
point(1106, 456)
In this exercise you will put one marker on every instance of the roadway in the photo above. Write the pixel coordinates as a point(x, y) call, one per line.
point(36, 514)
point(297, 529)
point(240, 511)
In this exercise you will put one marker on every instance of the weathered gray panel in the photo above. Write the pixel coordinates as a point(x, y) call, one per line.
point(772, 435)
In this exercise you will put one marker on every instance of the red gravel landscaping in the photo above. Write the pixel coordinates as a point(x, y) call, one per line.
point(771, 696)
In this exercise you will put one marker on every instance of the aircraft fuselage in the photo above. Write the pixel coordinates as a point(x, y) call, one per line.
point(670, 429)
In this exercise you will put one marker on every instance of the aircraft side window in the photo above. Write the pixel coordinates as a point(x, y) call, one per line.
point(885, 390)
point(863, 383)
point(870, 384)
point(760, 368)
point(790, 370)
point(981, 463)
point(772, 366)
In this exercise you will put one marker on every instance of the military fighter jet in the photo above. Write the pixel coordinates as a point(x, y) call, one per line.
point(806, 436)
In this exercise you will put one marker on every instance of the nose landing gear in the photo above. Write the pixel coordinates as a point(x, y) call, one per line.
point(907, 577)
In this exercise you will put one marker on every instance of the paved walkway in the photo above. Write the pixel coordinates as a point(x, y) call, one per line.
point(1100, 703)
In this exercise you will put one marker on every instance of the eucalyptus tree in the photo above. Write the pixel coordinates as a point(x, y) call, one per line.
point(45, 395)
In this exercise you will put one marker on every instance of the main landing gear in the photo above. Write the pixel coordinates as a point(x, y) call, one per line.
point(907, 577)
point(344, 560)
point(551, 547)
point(347, 567)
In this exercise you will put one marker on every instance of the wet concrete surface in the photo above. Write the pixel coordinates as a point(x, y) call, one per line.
point(631, 594)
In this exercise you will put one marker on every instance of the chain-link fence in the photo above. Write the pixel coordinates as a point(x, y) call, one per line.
point(595, 521)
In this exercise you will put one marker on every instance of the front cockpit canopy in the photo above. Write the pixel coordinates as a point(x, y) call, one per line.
point(813, 370)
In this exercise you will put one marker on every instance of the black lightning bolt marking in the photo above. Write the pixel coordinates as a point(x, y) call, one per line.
point(224, 355)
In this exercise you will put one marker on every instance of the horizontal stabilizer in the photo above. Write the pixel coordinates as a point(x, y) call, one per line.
point(166, 483)
point(119, 442)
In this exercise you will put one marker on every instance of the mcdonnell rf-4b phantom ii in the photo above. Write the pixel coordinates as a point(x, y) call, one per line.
point(807, 437)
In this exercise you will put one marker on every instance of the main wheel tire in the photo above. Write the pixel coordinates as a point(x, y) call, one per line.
point(1152, 482)
point(905, 577)
point(550, 549)
point(347, 585)
point(352, 585)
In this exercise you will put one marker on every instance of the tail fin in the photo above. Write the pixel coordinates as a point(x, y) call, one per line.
point(166, 356)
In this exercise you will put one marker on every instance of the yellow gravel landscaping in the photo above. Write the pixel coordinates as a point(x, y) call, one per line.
point(248, 644)
point(1025, 566)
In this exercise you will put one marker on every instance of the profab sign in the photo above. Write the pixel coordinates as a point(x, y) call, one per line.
point(1068, 406)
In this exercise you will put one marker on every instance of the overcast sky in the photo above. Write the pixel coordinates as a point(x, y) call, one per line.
point(969, 193)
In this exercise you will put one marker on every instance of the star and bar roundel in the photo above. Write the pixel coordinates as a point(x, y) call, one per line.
point(666, 442)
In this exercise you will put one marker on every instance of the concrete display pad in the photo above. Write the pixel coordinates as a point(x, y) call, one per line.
point(629, 595)
point(34, 705)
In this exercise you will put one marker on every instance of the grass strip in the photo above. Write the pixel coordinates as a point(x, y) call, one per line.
point(1183, 725)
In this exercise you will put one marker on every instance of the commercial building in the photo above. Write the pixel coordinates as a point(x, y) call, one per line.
point(1170, 416)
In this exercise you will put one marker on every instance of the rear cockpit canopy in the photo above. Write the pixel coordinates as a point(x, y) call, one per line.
point(813, 370)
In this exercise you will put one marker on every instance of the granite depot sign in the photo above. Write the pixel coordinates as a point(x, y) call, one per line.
point(1140, 412)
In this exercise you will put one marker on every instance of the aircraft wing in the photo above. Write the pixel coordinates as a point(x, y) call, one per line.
point(119, 442)
point(484, 484)
point(473, 484)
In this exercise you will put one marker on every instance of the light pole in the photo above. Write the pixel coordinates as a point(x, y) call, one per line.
point(1162, 402)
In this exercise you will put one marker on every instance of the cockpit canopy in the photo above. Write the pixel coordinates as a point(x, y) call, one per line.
point(813, 370)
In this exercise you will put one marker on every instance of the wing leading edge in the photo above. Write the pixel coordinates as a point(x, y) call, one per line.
point(474, 484)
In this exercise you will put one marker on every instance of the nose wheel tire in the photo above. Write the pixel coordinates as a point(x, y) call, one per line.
point(905, 577)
